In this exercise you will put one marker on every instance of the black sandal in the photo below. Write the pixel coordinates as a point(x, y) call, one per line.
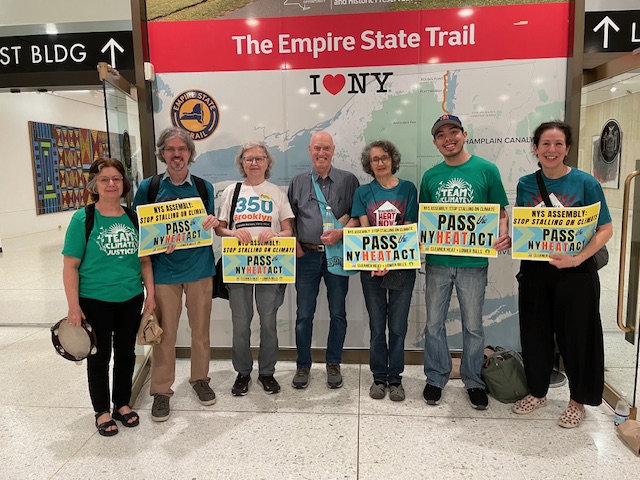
point(124, 419)
point(102, 428)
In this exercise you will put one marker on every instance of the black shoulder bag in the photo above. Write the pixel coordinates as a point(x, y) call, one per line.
point(601, 257)
point(219, 288)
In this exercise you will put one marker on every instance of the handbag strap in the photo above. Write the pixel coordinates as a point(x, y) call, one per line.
point(543, 189)
point(505, 354)
point(234, 202)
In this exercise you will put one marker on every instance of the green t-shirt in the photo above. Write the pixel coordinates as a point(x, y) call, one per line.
point(475, 181)
point(110, 267)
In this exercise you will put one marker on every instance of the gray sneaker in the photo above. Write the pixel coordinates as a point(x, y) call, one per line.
point(160, 410)
point(334, 377)
point(377, 391)
point(205, 393)
point(396, 393)
point(301, 378)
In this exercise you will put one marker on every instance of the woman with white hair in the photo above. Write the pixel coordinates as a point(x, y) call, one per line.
point(262, 212)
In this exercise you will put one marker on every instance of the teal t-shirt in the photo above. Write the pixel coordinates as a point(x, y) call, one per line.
point(575, 189)
point(475, 181)
point(110, 267)
point(181, 266)
point(386, 206)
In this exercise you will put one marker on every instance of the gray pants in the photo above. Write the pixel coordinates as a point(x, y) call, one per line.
point(269, 298)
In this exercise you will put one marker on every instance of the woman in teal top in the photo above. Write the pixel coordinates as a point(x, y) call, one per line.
point(103, 281)
point(386, 201)
point(560, 298)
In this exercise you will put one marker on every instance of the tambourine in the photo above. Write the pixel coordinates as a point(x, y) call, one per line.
point(73, 343)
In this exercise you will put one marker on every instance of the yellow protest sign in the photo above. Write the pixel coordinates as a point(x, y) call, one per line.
point(271, 262)
point(178, 223)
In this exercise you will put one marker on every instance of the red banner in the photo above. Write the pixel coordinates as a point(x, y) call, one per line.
point(358, 40)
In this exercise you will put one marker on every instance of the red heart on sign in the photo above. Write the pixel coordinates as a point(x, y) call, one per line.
point(333, 83)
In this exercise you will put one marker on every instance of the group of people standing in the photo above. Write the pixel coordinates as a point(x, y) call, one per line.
point(559, 299)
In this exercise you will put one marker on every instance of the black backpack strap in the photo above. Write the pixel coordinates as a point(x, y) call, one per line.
point(132, 216)
point(202, 191)
point(543, 189)
point(90, 212)
point(234, 202)
point(154, 187)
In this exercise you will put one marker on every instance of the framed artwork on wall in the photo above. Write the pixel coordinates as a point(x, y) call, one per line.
point(61, 157)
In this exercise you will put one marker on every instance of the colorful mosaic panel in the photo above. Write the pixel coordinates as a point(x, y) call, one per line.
point(61, 157)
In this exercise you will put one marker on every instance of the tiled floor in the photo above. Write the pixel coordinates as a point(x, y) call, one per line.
point(298, 434)
point(315, 433)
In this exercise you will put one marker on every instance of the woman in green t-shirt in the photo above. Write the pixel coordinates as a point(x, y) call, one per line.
point(103, 281)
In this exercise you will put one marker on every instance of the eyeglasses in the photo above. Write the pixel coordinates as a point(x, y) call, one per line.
point(382, 159)
point(176, 149)
point(105, 180)
point(259, 159)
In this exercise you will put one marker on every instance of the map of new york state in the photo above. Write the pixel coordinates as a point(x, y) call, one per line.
point(500, 104)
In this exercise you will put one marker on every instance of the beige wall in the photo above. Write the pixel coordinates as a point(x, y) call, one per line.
point(626, 110)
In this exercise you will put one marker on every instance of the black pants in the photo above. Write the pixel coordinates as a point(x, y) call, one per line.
point(564, 303)
point(117, 321)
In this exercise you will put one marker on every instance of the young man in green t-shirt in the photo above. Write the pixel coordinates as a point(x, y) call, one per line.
point(460, 178)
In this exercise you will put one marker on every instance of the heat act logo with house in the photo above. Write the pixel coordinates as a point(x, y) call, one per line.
point(386, 214)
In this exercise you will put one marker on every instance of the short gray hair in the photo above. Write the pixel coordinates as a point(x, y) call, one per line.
point(249, 146)
point(177, 132)
point(389, 148)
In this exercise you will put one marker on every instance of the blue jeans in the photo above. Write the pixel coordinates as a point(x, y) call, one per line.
point(387, 307)
point(470, 286)
point(311, 267)
point(269, 298)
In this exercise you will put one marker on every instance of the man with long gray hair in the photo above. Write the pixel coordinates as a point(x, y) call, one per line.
point(188, 271)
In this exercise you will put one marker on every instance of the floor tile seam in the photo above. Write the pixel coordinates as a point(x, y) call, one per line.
point(526, 417)
point(12, 344)
point(518, 418)
point(455, 416)
point(253, 412)
point(48, 407)
point(72, 456)
point(44, 326)
point(516, 455)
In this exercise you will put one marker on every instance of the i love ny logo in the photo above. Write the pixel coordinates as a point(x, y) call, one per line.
point(355, 82)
